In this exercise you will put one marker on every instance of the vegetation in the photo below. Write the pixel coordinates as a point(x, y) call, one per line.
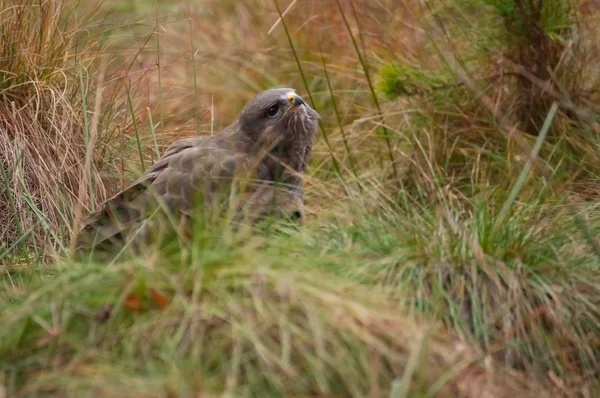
point(451, 243)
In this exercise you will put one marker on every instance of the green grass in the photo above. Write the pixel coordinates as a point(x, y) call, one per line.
point(447, 252)
point(254, 316)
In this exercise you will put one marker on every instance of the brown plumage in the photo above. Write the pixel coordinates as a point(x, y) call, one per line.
point(260, 156)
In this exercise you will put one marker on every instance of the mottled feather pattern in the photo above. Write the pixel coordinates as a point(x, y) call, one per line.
point(267, 146)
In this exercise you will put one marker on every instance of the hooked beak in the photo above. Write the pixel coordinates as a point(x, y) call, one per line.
point(296, 102)
point(295, 99)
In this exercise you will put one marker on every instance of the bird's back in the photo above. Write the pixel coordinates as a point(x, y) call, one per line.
point(192, 170)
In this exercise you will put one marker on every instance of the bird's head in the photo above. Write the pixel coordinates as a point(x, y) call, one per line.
point(279, 115)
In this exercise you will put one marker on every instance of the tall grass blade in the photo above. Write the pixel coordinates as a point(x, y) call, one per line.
point(363, 63)
point(86, 135)
point(516, 189)
point(153, 132)
point(308, 91)
point(135, 128)
point(340, 124)
point(193, 56)
point(161, 120)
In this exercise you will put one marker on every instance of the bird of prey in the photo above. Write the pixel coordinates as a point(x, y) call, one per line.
point(261, 156)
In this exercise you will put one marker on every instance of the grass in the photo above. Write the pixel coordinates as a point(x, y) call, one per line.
point(42, 118)
point(450, 247)
point(240, 316)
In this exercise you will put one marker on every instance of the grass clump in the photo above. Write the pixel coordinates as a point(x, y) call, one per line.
point(42, 143)
point(518, 290)
point(244, 319)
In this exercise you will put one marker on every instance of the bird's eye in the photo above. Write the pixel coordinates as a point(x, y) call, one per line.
point(272, 112)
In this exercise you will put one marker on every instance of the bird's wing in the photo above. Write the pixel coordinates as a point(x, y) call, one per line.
point(189, 167)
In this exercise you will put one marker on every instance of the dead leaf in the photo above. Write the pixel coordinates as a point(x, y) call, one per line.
point(158, 298)
point(132, 302)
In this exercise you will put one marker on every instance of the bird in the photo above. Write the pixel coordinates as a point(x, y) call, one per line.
point(261, 155)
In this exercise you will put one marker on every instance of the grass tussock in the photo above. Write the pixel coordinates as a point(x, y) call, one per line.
point(520, 290)
point(450, 247)
point(263, 325)
point(42, 124)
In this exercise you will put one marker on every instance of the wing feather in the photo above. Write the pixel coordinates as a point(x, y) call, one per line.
point(197, 168)
point(171, 179)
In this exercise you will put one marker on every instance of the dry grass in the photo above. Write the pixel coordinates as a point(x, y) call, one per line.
point(420, 202)
point(42, 124)
point(235, 56)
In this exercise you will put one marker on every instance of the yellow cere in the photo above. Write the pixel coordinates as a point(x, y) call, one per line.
point(291, 96)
